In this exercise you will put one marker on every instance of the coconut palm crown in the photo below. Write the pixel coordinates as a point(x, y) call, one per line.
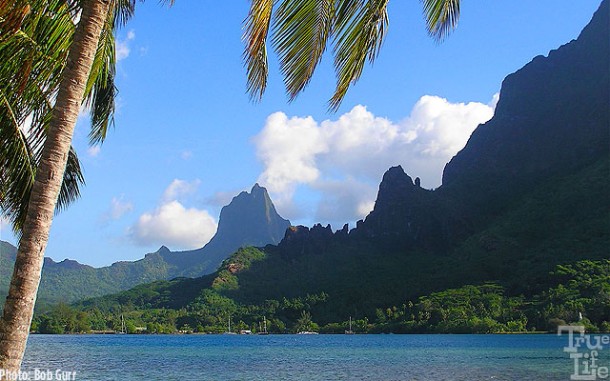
point(35, 37)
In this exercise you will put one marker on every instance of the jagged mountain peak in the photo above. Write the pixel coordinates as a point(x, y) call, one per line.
point(250, 208)
point(250, 219)
point(396, 185)
point(163, 250)
point(396, 176)
point(66, 264)
point(256, 188)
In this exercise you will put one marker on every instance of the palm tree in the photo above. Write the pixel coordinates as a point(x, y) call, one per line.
point(301, 31)
point(303, 28)
point(61, 66)
point(34, 42)
point(32, 50)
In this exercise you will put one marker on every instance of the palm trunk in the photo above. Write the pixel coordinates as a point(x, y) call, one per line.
point(19, 306)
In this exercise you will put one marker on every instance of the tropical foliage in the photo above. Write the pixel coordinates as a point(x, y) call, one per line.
point(301, 31)
point(65, 67)
point(34, 40)
point(580, 295)
point(540, 264)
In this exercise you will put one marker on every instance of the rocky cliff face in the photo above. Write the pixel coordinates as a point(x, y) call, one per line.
point(249, 220)
point(552, 118)
point(403, 212)
point(528, 192)
point(405, 215)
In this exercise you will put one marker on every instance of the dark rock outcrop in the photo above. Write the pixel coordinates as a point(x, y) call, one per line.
point(551, 119)
point(301, 240)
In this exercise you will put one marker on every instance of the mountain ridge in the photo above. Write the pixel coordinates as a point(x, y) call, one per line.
point(528, 192)
point(556, 133)
point(262, 226)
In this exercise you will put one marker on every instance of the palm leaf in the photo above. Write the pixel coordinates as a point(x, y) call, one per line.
point(100, 91)
point(302, 29)
point(441, 17)
point(360, 28)
point(255, 52)
point(26, 96)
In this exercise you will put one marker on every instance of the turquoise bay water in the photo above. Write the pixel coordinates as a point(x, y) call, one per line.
point(302, 357)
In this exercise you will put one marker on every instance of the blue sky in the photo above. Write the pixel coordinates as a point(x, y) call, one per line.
point(188, 139)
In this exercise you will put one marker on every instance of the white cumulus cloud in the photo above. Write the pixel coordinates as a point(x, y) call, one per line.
point(180, 188)
point(343, 160)
point(288, 148)
point(172, 223)
point(348, 198)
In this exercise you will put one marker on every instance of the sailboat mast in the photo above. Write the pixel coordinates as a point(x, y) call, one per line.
point(123, 324)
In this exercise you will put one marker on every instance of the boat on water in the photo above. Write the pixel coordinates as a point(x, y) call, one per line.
point(264, 330)
point(307, 333)
point(349, 332)
point(229, 331)
point(123, 326)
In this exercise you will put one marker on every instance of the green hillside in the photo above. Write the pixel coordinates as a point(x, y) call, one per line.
point(250, 219)
point(510, 261)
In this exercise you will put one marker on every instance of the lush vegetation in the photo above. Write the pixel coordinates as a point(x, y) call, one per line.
point(580, 294)
point(540, 264)
point(515, 240)
point(250, 219)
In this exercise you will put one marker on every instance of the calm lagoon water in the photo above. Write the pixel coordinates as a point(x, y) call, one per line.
point(303, 357)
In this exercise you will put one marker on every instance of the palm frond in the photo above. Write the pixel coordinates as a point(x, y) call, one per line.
point(16, 166)
point(123, 11)
point(73, 179)
point(35, 36)
point(26, 97)
point(255, 52)
point(100, 91)
point(302, 29)
point(360, 28)
point(441, 17)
